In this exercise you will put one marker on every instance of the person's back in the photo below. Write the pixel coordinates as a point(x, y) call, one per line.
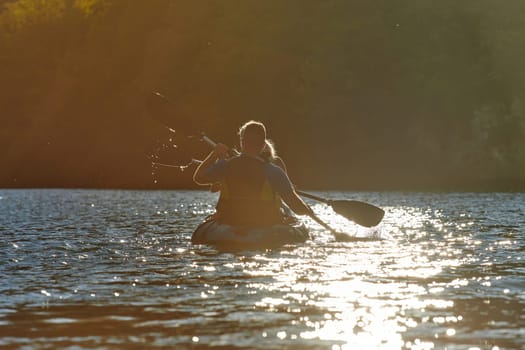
point(251, 186)
point(247, 196)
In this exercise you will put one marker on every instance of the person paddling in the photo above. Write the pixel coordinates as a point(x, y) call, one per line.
point(268, 153)
point(252, 188)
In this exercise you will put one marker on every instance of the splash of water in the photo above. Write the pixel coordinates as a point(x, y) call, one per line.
point(168, 153)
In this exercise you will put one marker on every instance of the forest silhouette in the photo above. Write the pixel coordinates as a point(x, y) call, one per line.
point(357, 95)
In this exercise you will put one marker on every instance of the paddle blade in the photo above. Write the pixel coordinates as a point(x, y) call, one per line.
point(361, 213)
point(164, 111)
point(158, 107)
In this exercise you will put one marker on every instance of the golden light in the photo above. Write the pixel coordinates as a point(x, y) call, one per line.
point(366, 294)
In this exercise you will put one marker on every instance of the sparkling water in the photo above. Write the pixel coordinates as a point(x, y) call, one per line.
point(116, 270)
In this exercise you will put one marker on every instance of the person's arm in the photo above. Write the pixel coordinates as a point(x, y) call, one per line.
point(280, 163)
point(201, 176)
point(286, 189)
point(295, 203)
point(281, 184)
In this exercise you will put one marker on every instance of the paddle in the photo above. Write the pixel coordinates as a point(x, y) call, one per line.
point(161, 109)
point(361, 213)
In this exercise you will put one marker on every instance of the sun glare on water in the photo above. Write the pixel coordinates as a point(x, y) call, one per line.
point(450, 276)
point(370, 291)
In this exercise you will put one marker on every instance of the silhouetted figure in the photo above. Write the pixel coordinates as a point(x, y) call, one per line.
point(251, 188)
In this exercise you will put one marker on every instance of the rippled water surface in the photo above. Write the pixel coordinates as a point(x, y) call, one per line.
point(115, 270)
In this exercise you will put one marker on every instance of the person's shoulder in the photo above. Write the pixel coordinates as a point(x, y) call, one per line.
point(280, 163)
point(221, 161)
point(278, 179)
point(237, 157)
point(272, 166)
point(274, 170)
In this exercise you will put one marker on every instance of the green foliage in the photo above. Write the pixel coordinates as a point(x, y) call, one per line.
point(25, 13)
point(366, 95)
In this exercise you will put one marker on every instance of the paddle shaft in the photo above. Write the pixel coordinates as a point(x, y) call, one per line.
point(311, 196)
point(322, 223)
point(208, 140)
point(213, 144)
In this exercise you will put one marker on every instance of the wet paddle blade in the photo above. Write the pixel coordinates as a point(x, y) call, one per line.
point(158, 107)
point(166, 112)
point(361, 213)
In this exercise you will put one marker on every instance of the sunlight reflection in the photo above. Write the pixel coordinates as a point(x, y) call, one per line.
point(360, 312)
point(343, 225)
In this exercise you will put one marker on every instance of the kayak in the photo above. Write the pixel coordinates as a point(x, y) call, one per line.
point(214, 233)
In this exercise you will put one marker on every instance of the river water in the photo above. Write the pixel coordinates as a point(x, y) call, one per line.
point(83, 269)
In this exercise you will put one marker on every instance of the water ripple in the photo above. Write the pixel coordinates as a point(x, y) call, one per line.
point(115, 269)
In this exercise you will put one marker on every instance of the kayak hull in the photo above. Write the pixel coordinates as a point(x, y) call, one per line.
point(211, 232)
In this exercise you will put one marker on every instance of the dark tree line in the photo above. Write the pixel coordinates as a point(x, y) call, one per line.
point(416, 95)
